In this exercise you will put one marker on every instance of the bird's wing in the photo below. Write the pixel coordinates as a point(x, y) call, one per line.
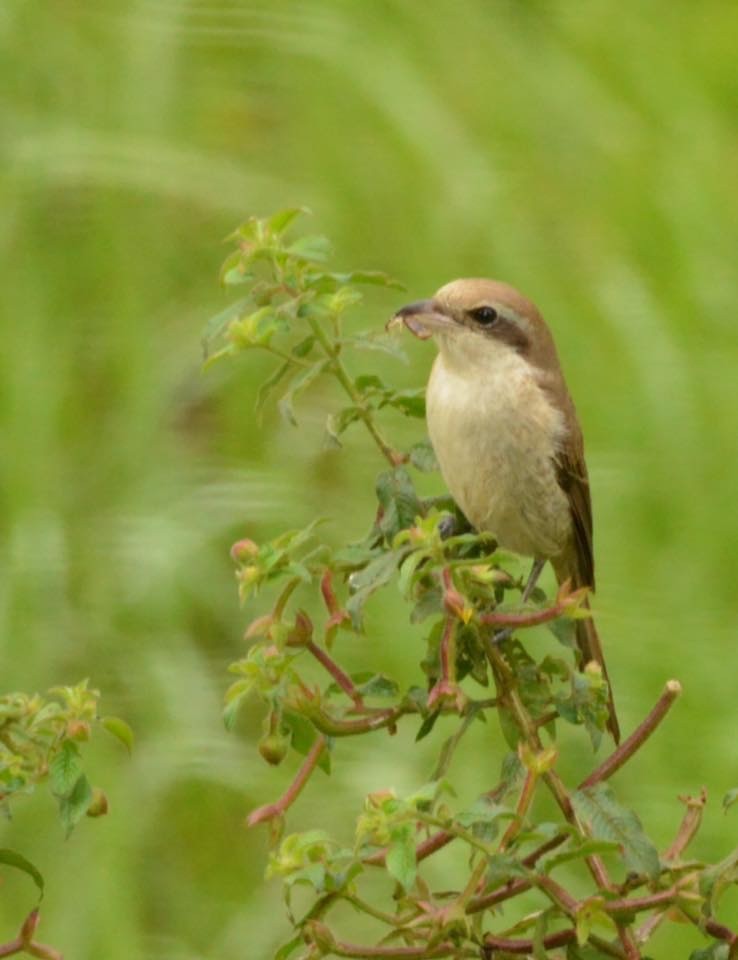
point(573, 480)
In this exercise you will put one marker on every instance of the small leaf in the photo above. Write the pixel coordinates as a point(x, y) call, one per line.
point(217, 324)
point(399, 501)
point(74, 805)
point(120, 730)
point(19, 862)
point(268, 385)
point(280, 221)
point(423, 457)
point(379, 686)
point(312, 249)
point(409, 402)
point(65, 769)
point(400, 858)
point(300, 383)
point(719, 950)
point(367, 581)
point(374, 277)
point(287, 949)
point(609, 821)
point(730, 798)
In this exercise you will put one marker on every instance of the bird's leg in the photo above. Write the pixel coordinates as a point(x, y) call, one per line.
point(535, 572)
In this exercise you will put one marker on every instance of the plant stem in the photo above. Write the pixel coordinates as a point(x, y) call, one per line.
point(347, 383)
point(689, 826)
point(342, 679)
point(636, 740)
point(276, 809)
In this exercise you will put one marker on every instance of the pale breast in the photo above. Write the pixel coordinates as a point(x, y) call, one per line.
point(495, 434)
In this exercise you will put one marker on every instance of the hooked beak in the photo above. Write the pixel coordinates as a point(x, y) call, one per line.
point(422, 318)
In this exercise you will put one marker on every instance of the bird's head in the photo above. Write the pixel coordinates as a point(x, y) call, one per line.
point(475, 319)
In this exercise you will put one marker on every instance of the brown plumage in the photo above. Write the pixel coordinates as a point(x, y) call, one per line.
point(506, 432)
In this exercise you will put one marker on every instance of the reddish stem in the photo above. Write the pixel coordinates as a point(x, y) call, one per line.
point(504, 944)
point(636, 740)
point(564, 602)
point(342, 679)
point(276, 809)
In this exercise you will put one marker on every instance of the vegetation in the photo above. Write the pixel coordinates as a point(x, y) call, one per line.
point(582, 152)
point(458, 585)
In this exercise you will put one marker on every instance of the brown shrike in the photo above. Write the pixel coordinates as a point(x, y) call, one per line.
point(506, 434)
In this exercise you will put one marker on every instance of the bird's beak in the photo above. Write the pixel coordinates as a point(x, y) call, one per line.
point(422, 318)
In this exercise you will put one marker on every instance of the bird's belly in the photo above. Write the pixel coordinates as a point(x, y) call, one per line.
point(496, 454)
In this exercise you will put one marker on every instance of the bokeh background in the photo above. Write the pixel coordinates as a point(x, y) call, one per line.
point(586, 152)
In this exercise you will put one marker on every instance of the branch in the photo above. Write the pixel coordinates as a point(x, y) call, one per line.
point(276, 809)
point(566, 602)
point(24, 942)
point(636, 740)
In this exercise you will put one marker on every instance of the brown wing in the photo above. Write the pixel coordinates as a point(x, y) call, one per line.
point(572, 475)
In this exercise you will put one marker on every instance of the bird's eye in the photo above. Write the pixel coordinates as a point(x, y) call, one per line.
point(485, 315)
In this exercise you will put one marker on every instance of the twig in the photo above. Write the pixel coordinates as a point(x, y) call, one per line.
point(506, 945)
point(565, 601)
point(342, 679)
point(276, 809)
point(24, 942)
point(636, 740)
point(333, 727)
point(689, 826)
point(393, 456)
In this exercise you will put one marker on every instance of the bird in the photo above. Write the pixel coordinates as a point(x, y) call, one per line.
point(507, 437)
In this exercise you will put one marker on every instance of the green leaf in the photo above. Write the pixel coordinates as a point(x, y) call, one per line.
point(74, 805)
point(287, 949)
point(730, 798)
point(719, 950)
point(300, 383)
point(379, 686)
point(400, 858)
point(367, 581)
point(481, 818)
point(373, 277)
point(267, 386)
point(19, 862)
point(217, 324)
point(379, 342)
point(311, 249)
point(609, 821)
point(409, 402)
point(399, 501)
point(427, 725)
point(279, 222)
point(715, 880)
point(585, 849)
point(120, 730)
point(304, 735)
point(423, 457)
point(65, 769)
point(565, 631)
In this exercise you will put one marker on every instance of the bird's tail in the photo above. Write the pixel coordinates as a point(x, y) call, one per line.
point(588, 642)
point(590, 648)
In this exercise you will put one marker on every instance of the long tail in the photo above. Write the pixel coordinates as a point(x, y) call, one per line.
point(590, 648)
point(588, 641)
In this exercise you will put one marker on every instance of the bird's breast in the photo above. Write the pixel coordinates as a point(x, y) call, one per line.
point(496, 433)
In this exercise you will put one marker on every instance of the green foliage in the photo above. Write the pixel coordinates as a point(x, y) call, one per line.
point(40, 742)
point(461, 588)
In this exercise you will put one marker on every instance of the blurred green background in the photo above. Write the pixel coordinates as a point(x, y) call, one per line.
point(586, 152)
